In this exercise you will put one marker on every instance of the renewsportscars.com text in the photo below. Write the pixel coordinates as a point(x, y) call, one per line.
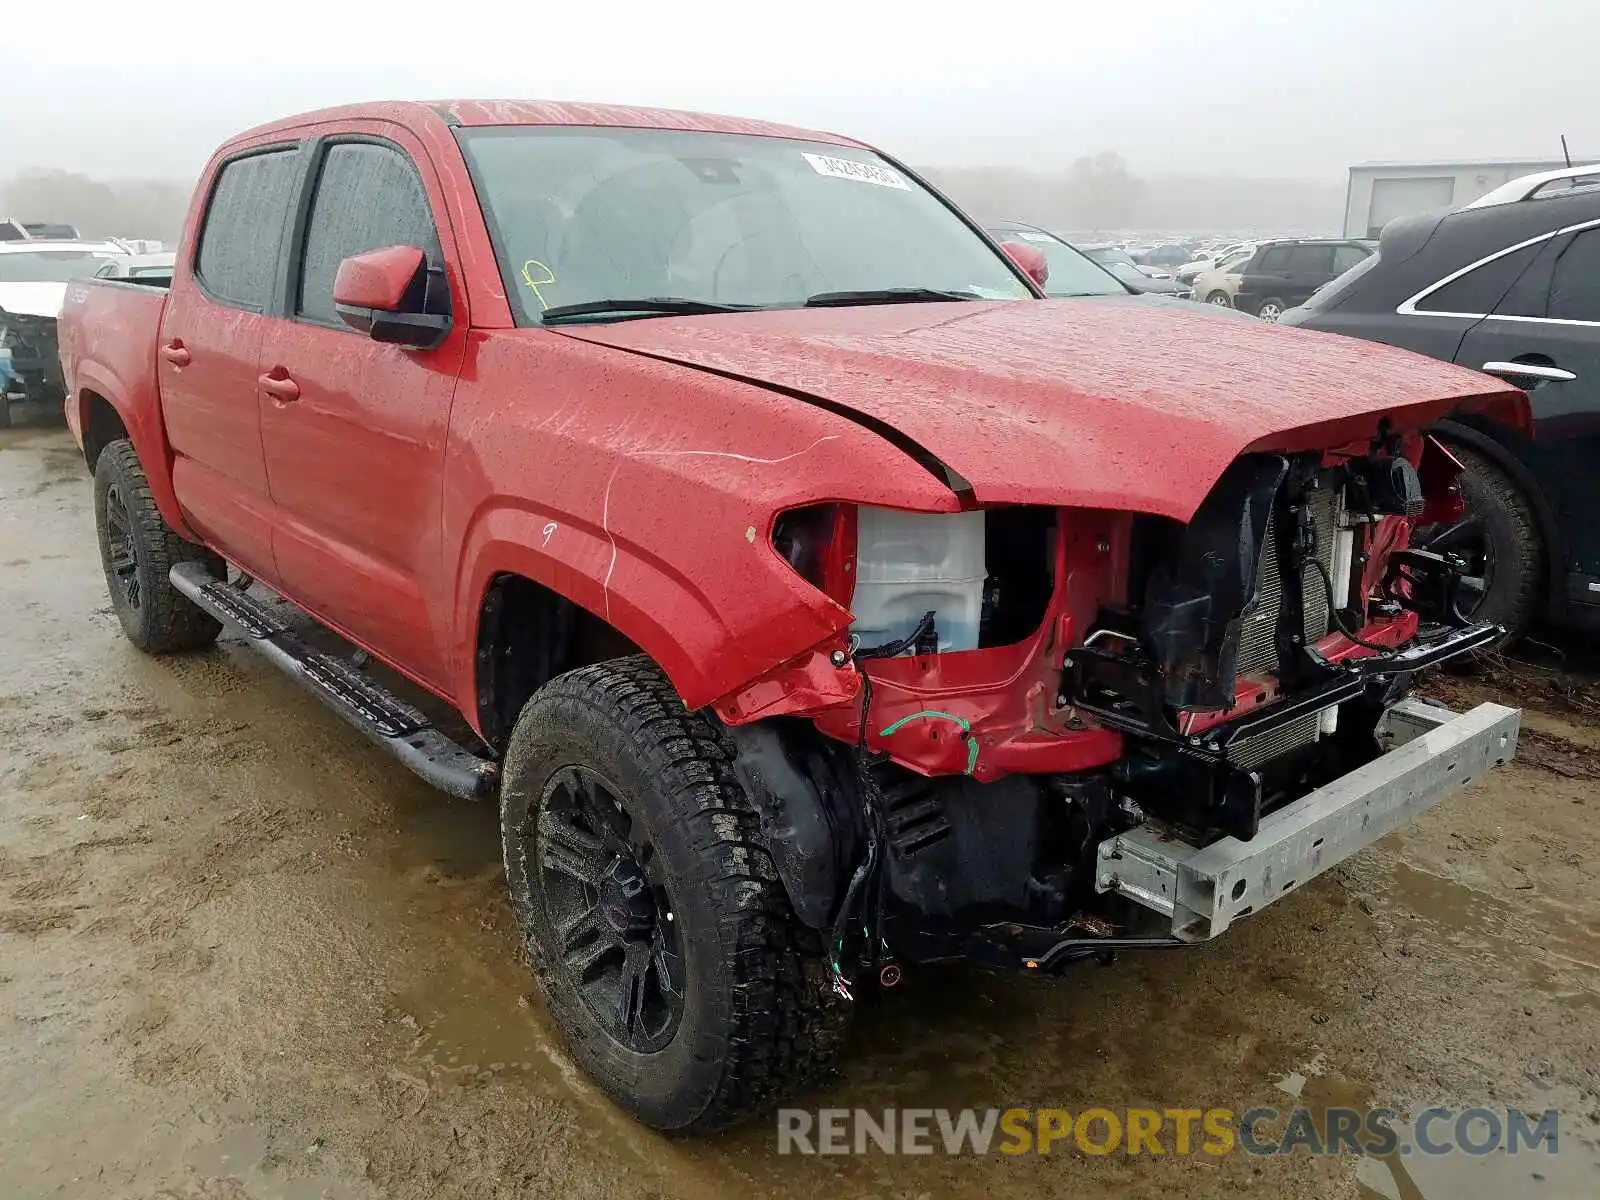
point(1214, 1131)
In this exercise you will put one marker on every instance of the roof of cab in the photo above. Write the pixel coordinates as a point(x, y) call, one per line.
point(413, 113)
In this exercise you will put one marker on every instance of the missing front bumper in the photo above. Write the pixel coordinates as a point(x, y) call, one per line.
point(1432, 752)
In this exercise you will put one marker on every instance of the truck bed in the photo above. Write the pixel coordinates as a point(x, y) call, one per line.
point(108, 333)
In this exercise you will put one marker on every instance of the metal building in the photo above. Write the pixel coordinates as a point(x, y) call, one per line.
point(1380, 191)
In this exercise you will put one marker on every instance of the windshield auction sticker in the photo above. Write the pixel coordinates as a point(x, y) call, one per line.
point(861, 172)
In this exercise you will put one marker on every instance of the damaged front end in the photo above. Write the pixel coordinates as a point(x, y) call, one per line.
point(1288, 609)
point(35, 356)
point(1162, 725)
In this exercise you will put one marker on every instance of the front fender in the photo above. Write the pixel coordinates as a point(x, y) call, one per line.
point(638, 594)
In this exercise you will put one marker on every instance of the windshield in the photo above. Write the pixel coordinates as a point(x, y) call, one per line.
point(51, 266)
point(1071, 273)
point(581, 215)
point(1237, 259)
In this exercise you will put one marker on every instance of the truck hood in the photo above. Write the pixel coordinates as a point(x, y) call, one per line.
point(33, 299)
point(1071, 402)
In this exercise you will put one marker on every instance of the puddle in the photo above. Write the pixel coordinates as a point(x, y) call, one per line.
point(1508, 933)
point(1569, 1174)
point(495, 1037)
point(1410, 1174)
point(247, 1156)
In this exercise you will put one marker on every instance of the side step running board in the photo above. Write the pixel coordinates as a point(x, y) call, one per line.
point(387, 720)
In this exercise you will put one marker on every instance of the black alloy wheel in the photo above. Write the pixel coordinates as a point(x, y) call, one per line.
point(620, 948)
point(122, 548)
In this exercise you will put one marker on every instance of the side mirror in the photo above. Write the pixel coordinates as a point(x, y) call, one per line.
point(384, 294)
point(1030, 258)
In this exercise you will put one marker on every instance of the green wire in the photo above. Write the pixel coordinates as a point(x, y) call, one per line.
point(966, 728)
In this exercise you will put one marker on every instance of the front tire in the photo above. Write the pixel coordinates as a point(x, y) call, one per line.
point(138, 549)
point(1220, 298)
point(1500, 541)
point(652, 914)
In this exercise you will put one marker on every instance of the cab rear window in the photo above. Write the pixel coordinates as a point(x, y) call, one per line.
point(237, 259)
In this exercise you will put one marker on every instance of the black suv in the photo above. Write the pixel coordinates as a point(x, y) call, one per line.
point(1282, 274)
point(1509, 284)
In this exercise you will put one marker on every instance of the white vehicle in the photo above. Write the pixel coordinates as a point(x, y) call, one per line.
point(1212, 258)
point(147, 267)
point(34, 275)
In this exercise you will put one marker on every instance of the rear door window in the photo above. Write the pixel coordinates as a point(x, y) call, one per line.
point(1575, 285)
point(368, 196)
point(237, 260)
point(1311, 260)
point(1481, 289)
point(1345, 257)
point(1277, 258)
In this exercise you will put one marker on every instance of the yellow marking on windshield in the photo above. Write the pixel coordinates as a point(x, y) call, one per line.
point(535, 284)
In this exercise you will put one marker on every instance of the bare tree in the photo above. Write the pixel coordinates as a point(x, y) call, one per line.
point(1102, 193)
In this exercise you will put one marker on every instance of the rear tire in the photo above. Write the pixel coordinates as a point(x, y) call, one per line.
point(1514, 562)
point(138, 549)
point(1270, 309)
point(638, 875)
point(1220, 298)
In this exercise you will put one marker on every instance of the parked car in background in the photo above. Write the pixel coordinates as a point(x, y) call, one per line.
point(1074, 273)
point(1121, 264)
point(1217, 282)
point(821, 599)
point(1282, 274)
point(13, 230)
point(1190, 271)
point(33, 282)
point(1166, 257)
point(1510, 287)
point(148, 268)
point(51, 230)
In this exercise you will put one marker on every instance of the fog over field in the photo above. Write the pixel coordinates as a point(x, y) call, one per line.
point(1226, 113)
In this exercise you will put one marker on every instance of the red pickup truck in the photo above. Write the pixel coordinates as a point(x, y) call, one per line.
point(821, 599)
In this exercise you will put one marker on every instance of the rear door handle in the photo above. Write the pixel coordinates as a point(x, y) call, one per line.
point(1512, 371)
point(277, 384)
point(176, 353)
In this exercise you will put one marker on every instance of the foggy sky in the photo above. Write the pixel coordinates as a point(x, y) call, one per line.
point(1290, 89)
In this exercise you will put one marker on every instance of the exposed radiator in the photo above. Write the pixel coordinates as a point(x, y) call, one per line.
point(1258, 645)
point(1264, 747)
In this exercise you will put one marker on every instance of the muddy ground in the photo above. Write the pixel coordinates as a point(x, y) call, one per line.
point(244, 955)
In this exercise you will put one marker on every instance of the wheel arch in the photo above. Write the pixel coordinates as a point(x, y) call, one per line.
point(595, 586)
point(99, 425)
point(101, 413)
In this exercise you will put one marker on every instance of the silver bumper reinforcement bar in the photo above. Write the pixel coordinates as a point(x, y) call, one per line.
point(1431, 752)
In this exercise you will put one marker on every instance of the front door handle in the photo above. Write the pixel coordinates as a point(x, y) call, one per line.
point(277, 384)
point(176, 353)
point(1513, 371)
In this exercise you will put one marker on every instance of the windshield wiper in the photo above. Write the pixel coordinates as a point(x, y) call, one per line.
point(649, 306)
point(897, 295)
